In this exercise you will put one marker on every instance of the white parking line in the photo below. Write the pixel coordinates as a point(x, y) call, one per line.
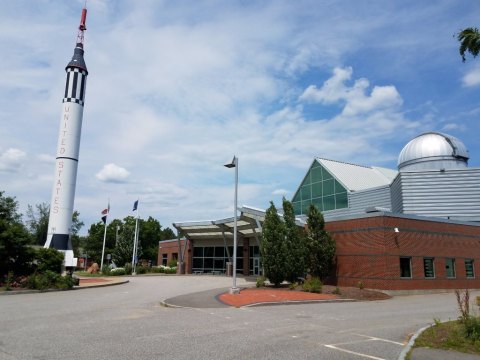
point(380, 339)
point(354, 353)
point(369, 338)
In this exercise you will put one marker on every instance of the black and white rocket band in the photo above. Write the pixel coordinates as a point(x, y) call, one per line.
point(75, 86)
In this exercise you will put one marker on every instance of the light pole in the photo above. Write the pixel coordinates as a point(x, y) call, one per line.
point(234, 289)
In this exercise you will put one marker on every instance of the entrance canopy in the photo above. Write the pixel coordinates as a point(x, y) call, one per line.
point(249, 224)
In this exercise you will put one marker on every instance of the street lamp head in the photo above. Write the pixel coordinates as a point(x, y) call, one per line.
point(231, 164)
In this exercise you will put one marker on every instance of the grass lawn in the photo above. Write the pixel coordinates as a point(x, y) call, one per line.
point(447, 336)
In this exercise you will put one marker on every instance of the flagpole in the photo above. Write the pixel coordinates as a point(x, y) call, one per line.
point(105, 235)
point(137, 232)
point(135, 208)
point(103, 248)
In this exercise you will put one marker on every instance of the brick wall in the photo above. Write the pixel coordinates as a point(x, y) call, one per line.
point(170, 248)
point(369, 250)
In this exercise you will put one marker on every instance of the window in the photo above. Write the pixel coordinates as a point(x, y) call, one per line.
point(214, 258)
point(428, 267)
point(450, 267)
point(405, 267)
point(469, 268)
point(320, 189)
point(164, 259)
point(174, 256)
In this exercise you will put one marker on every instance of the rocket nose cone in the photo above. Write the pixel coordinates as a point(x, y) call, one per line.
point(77, 58)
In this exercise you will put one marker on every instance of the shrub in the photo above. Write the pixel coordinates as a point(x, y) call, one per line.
point(261, 281)
point(117, 272)
point(172, 263)
point(463, 302)
point(313, 285)
point(293, 285)
point(106, 270)
point(8, 284)
point(157, 269)
point(49, 259)
point(128, 269)
point(49, 280)
point(170, 270)
point(337, 291)
point(472, 328)
point(361, 285)
point(141, 270)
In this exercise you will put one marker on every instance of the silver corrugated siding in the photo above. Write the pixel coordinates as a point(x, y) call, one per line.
point(360, 200)
point(396, 195)
point(451, 194)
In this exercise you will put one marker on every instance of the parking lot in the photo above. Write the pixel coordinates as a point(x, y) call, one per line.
point(127, 321)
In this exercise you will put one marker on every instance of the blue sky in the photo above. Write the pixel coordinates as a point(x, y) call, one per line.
point(176, 88)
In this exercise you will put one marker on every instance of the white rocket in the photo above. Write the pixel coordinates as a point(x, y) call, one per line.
point(65, 177)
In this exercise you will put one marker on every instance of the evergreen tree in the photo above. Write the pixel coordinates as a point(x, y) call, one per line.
point(273, 256)
point(320, 245)
point(15, 254)
point(294, 245)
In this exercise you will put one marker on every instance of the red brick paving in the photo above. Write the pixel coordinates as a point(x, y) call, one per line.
point(254, 296)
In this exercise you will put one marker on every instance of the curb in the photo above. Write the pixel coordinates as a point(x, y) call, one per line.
point(31, 291)
point(293, 302)
point(167, 305)
point(410, 343)
point(273, 303)
point(100, 285)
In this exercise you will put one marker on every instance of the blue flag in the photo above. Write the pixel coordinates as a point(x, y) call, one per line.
point(135, 205)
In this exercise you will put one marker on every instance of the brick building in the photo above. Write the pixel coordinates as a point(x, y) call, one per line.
point(415, 228)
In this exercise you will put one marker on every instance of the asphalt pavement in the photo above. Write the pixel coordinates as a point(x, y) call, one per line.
point(208, 298)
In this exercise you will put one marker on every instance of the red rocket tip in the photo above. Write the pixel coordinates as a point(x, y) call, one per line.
point(83, 19)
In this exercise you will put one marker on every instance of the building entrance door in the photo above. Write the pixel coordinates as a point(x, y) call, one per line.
point(256, 266)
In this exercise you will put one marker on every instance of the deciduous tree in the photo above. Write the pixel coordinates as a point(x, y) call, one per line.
point(469, 42)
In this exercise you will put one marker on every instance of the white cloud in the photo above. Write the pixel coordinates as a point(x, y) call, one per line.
point(12, 160)
point(112, 173)
point(356, 100)
point(472, 78)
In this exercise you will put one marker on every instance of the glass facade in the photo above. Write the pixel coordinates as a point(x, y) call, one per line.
point(321, 189)
point(214, 258)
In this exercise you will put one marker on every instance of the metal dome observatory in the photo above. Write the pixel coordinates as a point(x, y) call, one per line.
point(433, 151)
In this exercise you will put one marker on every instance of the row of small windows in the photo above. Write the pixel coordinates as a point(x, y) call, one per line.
point(429, 268)
point(337, 201)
